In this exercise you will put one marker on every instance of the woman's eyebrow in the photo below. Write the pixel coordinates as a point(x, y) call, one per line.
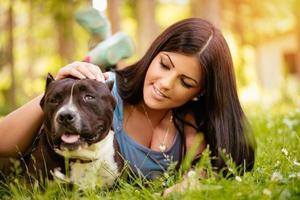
point(169, 59)
point(182, 74)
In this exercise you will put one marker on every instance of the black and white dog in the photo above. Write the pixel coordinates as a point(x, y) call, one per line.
point(76, 143)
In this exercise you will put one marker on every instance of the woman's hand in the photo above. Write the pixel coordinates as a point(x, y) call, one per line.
point(82, 70)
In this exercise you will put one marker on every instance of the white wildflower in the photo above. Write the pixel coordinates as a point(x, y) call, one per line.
point(292, 175)
point(259, 170)
point(191, 173)
point(238, 178)
point(290, 123)
point(296, 162)
point(285, 151)
point(277, 164)
point(267, 192)
point(276, 176)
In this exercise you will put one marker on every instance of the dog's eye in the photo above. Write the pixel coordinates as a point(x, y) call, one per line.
point(102, 128)
point(54, 100)
point(89, 98)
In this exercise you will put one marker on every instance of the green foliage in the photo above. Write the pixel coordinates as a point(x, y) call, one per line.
point(276, 174)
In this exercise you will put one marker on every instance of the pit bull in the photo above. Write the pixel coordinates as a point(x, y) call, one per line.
point(76, 143)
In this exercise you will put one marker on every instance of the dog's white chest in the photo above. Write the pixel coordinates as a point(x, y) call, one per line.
point(103, 171)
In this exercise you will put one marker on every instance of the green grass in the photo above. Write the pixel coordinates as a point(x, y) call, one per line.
point(276, 174)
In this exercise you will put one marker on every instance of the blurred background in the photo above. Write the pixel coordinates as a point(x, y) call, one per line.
point(41, 36)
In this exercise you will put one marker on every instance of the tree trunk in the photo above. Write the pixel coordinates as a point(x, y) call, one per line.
point(65, 38)
point(10, 55)
point(147, 27)
point(30, 40)
point(297, 16)
point(114, 14)
point(207, 9)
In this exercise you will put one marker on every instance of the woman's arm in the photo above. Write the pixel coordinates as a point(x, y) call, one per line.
point(19, 127)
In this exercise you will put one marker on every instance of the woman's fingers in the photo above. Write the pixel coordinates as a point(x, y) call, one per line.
point(81, 70)
point(106, 75)
point(96, 71)
point(86, 70)
point(69, 70)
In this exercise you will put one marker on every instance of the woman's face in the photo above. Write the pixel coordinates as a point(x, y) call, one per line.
point(172, 80)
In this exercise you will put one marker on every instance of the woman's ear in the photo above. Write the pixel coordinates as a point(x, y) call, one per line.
point(196, 98)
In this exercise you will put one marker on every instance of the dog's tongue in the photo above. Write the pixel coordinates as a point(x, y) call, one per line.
point(69, 138)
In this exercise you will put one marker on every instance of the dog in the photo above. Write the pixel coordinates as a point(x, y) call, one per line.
point(76, 143)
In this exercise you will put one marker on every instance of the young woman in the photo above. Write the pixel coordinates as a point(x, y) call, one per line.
point(183, 86)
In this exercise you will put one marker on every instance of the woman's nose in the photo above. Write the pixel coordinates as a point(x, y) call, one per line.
point(167, 82)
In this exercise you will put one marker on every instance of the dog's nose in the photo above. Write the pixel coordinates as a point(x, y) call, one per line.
point(66, 117)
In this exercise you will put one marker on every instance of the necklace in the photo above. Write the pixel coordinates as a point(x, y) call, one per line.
point(162, 145)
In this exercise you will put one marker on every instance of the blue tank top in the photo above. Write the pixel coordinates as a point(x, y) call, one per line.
point(142, 160)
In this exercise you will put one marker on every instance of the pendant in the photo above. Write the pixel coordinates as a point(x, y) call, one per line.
point(162, 147)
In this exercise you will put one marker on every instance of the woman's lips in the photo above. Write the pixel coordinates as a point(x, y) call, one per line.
point(158, 94)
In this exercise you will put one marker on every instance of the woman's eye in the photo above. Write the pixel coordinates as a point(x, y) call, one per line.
point(163, 65)
point(186, 85)
point(89, 98)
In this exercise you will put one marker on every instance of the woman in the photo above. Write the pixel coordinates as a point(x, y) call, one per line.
point(183, 86)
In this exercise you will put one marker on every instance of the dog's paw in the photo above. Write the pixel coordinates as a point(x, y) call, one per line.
point(60, 176)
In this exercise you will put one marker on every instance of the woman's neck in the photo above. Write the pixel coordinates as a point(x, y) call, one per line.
point(156, 116)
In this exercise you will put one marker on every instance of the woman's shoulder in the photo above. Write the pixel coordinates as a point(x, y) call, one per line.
point(192, 135)
point(111, 76)
point(189, 127)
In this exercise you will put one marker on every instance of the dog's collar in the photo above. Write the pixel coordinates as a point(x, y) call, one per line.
point(81, 161)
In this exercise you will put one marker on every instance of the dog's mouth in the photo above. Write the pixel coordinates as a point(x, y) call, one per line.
point(70, 141)
point(70, 138)
point(75, 141)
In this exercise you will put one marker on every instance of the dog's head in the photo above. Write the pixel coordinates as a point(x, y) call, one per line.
point(78, 113)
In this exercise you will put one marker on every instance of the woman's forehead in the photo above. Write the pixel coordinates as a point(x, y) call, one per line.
point(187, 65)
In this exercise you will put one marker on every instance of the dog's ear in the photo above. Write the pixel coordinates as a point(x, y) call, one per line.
point(109, 84)
point(42, 102)
point(48, 81)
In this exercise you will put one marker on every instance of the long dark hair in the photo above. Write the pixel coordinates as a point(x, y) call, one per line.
point(218, 112)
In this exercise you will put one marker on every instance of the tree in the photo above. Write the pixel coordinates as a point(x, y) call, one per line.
point(30, 40)
point(147, 27)
point(207, 9)
point(10, 55)
point(63, 18)
point(296, 11)
point(113, 8)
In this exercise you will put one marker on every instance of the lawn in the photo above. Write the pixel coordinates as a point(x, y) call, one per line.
point(276, 174)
